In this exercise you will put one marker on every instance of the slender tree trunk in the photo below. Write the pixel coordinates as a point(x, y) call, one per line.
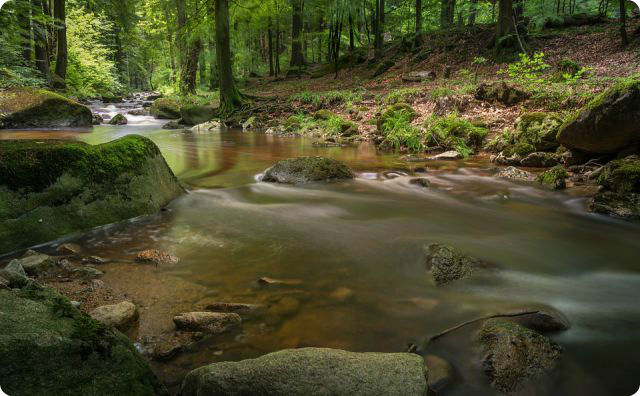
point(213, 71)
point(473, 13)
point(61, 56)
point(24, 15)
point(230, 97)
point(297, 59)
point(172, 57)
point(277, 52)
point(447, 13)
point(202, 62)
point(270, 44)
point(190, 68)
point(623, 23)
point(40, 39)
point(379, 29)
point(504, 26)
point(418, 16)
point(352, 44)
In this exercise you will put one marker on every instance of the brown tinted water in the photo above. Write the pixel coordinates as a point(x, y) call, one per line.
point(356, 249)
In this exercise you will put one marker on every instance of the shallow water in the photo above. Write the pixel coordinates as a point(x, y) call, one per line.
point(368, 235)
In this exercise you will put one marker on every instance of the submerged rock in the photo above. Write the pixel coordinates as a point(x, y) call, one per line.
point(118, 119)
point(156, 257)
point(239, 308)
point(312, 371)
point(607, 124)
point(165, 109)
point(266, 281)
point(500, 92)
point(207, 126)
point(554, 178)
point(96, 119)
point(172, 125)
point(446, 264)
point(420, 181)
point(306, 170)
point(48, 347)
point(48, 190)
point(624, 206)
point(39, 108)
point(542, 320)
point(514, 354)
point(440, 373)
point(121, 316)
point(207, 322)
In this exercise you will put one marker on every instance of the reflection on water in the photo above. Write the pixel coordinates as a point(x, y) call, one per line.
point(357, 247)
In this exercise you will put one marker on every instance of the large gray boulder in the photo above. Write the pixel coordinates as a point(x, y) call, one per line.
point(306, 170)
point(48, 347)
point(39, 108)
point(607, 124)
point(60, 187)
point(513, 354)
point(312, 371)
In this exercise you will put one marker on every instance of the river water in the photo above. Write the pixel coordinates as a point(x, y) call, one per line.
point(355, 253)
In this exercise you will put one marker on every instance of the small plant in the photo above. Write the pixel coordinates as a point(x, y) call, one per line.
point(453, 132)
point(319, 100)
point(440, 92)
point(399, 133)
point(477, 62)
point(405, 95)
point(528, 71)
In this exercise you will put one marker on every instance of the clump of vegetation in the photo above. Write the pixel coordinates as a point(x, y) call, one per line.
point(400, 134)
point(454, 133)
point(527, 71)
point(406, 95)
point(323, 122)
point(554, 178)
point(320, 100)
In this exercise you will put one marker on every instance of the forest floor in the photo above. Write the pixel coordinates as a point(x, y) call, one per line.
point(596, 47)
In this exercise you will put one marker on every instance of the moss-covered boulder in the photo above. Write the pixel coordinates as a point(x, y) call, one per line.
point(540, 160)
point(446, 264)
point(194, 114)
point(539, 130)
point(555, 178)
point(500, 92)
point(119, 119)
point(48, 347)
point(38, 108)
point(165, 109)
point(383, 67)
point(54, 189)
point(392, 111)
point(621, 176)
point(607, 124)
point(312, 371)
point(513, 354)
point(306, 170)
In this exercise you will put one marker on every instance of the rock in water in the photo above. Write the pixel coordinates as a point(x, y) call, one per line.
point(446, 264)
point(624, 206)
point(448, 156)
point(48, 347)
point(157, 257)
point(607, 124)
point(540, 160)
point(118, 119)
point(208, 322)
point(514, 354)
point(538, 130)
point(440, 373)
point(48, 190)
point(312, 371)
point(622, 176)
point(554, 178)
point(194, 115)
point(33, 265)
point(38, 108)
point(515, 174)
point(121, 316)
point(306, 170)
point(165, 109)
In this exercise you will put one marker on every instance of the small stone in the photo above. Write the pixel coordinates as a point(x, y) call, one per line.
point(118, 119)
point(167, 351)
point(540, 160)
point(514, 173)
point(95, 260)
point(86, 272)
point(76, 304)
point(447, 264)
point(420, 181)
point(266, 281)
point(448, 156)
point(69, 249)
point(34, 264)
point(157, 257)
point(121, 316)
point(554, 178)
point(342, 294)
point(440, 373)
point(15, 266)
point(207, 127)
point(207, 322)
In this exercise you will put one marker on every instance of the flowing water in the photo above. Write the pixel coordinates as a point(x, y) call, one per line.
point(354, 251)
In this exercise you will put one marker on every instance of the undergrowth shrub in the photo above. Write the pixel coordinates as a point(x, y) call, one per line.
point(454, 133)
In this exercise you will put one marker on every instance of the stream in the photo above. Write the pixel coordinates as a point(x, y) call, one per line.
point(356, 252)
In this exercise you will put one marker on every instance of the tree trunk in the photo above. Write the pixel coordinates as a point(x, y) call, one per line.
point(297, 59)
point(352, 45)
point(623, 23)
point(40, 39)
point(447, 13)
point(504, 26)
point(213, 71)
point(473, 12)
point(61, 56)
point(24, 15)
point(202, 62)
point(418, 16)
point(190, 68)
point(230, 97)
point(379, 29)
point(172, 59)
point(270, 44)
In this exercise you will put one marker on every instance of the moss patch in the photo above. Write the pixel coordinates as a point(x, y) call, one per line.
point(39, 108)
point(622, 176)
point(307, 169)
point(166, 109)
point(554, 178)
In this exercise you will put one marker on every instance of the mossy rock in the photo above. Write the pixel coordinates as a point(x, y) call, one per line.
point(324, 115)
point(625, 206)
point(446, 264)
point(383, 67)
point(539, 130)
point(306, 170)
point(39, 108)
point(500, 92)
point(61, 187)
point(118, 119)
point(194, 114)
point(514, 354)
point(522, 149)
point(391, 111)
point(621, 176)
point(554, 178)
point(606, 125)
point(48, 347)
point(165, 109)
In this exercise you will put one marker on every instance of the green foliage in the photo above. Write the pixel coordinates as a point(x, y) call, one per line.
point(399, 133)
point(319, 100)
point(527, 71)
point(454, 133)
point(401, 95)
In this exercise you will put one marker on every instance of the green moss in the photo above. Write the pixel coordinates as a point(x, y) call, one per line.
point(39, 108)
point(307, 169)
point(196, 114)
point(622, 176)
point(165, 108)
point(383, 67)
point(454, 133)
point(522, 149)
point(554, 178)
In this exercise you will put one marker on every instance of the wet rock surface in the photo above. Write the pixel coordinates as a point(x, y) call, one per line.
point(306, 170)
point(446, 264)
point(122, 316)
point(208, 322)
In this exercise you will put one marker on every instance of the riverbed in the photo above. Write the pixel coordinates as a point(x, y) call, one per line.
point(354, 253)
